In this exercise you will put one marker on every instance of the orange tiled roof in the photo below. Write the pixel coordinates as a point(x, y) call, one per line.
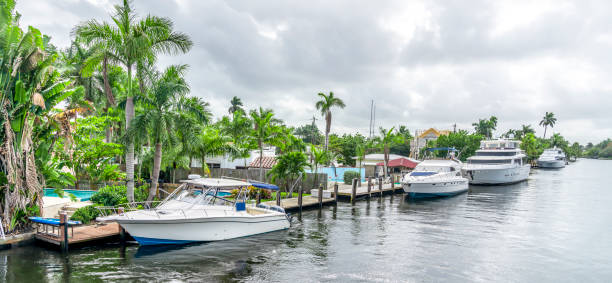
point(267, 162)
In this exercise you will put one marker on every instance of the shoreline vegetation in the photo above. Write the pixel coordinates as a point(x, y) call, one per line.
point(118, 107)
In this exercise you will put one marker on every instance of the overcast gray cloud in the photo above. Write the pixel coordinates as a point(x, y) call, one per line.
point(426, 63)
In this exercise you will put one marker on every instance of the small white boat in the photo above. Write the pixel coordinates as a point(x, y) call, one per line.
point(435, 178)
point(497, 162)
point(195, 212)
point(552, 158)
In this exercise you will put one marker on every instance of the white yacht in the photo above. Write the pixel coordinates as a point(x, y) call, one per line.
point(195, 212)
point(552, 158)
point(497, 162)
point(435, 178)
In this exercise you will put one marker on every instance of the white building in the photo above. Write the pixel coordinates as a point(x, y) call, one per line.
point(225, 161)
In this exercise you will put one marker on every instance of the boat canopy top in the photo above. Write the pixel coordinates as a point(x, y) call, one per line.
point(228, 183)
point(217, 183)
point(266, 186)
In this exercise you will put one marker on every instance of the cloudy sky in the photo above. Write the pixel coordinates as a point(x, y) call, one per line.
point(426, 64)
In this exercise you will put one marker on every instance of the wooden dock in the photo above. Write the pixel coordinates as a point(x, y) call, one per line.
point(63, 235)
point(82, 234)
point(291, 204)
point(345, 192)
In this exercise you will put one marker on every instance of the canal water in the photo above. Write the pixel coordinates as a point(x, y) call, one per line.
point(556, 227)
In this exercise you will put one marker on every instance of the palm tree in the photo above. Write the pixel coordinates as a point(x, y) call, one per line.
point(212, 142)
point(318, 157)
point(264, 131)
point(360, 152)
point(129, 42)
point(387, 139)
point(486, 127)
point(160, 114)
point(548, 120)
point(236, 129)
point(289, 166)
point(30, 87)
point(236, 104)
point(325, 105)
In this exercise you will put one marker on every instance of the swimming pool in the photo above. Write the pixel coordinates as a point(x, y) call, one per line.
point(81, 195)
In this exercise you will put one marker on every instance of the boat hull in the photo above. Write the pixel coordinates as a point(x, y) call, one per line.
point(551, 164)
point(435, 188)
point(163, 232)
point(496, 176)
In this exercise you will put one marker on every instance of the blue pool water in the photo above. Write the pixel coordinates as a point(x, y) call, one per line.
point(79, 194)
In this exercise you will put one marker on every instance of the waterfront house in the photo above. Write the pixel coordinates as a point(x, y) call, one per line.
point(371, 162)
point(225, 161)
point(422, 137)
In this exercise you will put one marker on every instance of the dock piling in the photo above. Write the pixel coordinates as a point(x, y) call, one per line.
point(121, 210)
point(380, 185)
point(336, 192)
point(64, 231)
point(278, 197)
point(369, 186)
point(320, 196)
point(354, 190)
point(300, 196)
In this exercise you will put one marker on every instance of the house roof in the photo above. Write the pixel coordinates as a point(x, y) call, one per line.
point(266, 162)
point(437, 133)
point(400, 162)
point(380, 156)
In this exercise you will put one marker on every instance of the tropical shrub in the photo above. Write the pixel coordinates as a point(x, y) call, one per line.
point(116, 195)
point(252, 193)
point(349, 176)
point(85, 214)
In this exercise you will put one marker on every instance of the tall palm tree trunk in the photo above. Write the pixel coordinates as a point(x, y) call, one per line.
point(261, 162)
point(327, 128)
point(156, 167)
point(129, 157)
point(544, 132)
point(386, 160)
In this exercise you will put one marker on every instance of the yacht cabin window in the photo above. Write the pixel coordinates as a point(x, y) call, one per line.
point(501, 161)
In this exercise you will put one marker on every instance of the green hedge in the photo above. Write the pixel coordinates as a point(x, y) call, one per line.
point(349, 176)
point(115, 195)
point(85, 214)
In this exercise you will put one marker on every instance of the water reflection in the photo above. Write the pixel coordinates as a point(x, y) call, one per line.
point(546, 229)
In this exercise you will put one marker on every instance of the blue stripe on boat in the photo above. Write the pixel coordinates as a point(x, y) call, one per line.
point(434, 195)
point(143, 241)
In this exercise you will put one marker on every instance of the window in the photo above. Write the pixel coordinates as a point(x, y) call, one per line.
point(496, 153)
point(501, 161)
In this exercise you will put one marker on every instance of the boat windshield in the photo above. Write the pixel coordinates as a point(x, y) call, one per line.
point(193, 197)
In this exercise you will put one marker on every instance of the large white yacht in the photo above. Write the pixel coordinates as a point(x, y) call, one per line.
point(195, 212)
point(497, 162)
point(552, 158)
point(435, 178)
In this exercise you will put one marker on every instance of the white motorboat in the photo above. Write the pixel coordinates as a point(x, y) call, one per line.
point(497, 162)
point(435, 178)
point(552, 158)
point(195, 212)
